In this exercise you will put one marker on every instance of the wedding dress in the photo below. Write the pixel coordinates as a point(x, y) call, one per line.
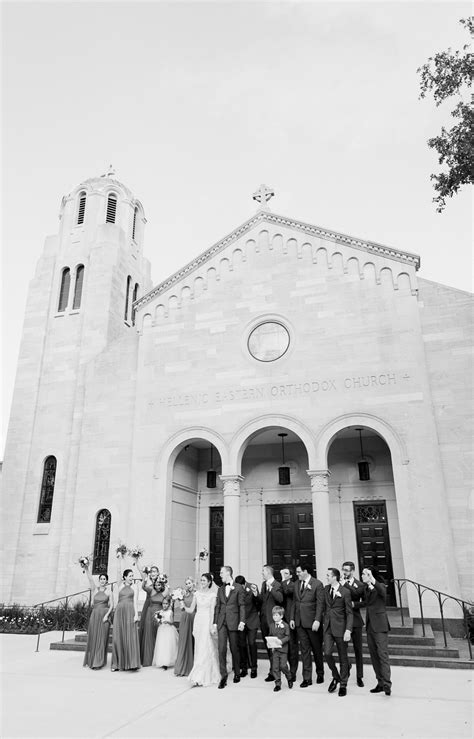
point(206, 665)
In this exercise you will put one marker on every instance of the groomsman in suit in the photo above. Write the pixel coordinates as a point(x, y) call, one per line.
point(377, 625)
point(248, 637)
point(229, 618)
point(337, 628)
point(270, 595)
point(356, 589)
point(307, 613)
point(288, 590)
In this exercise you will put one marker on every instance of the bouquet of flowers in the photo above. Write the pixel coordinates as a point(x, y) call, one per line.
point(84, 561)
point(158, 617)
point(202, 555)
point(135, 552)
point(178, 594)
point(121, 550)
point(146, 570)
point(163, 579)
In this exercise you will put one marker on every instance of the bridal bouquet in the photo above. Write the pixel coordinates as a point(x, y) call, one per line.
point(84, 561)
point(135, 552)
point(202, 555)
point(178, 594)
point(158, 617)
point(162, 579)
point(121, 550)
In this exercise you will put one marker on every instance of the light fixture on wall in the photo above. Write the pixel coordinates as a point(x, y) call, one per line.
point(363, 463)
point(283, 471)
point(211, 473)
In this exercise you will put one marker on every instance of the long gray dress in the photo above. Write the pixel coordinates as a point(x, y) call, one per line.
point(125, 645)
point(185, 656)
point(150, 627)
point(97, 633)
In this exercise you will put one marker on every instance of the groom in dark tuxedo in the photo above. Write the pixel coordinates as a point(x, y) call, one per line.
point(229, 619)
point(307, 612)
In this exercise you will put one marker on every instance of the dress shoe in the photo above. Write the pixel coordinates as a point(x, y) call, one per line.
point(333, 685)
point(342, 691)
point(222, 683)
point(290, 682)
point(269, 679)
point(236, 679)
point(306, 683)
point(276, 688)
point(360, 682)
point(377, 689)
point(320, 679)
point(243, 673)
point(387, 690)
point(253, 673)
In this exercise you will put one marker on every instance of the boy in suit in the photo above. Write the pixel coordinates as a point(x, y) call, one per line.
point(288, 590)
point(280, 654)
point(337, 628)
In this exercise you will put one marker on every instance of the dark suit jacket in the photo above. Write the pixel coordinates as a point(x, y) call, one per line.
point(288, 590)
point(283, 633)
point(308, 606)
point(376, 614)
point(231, 610)
point(337, 611)
point(356, 590)
point(252, 620)
point(268, 599)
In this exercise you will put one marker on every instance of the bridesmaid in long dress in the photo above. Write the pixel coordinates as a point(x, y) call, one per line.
point(157, 590)
point(185, 657)
point(125, 645)
point(99, 624)
point(147, 578)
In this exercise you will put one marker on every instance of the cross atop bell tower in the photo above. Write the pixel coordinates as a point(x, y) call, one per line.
point(263, 195)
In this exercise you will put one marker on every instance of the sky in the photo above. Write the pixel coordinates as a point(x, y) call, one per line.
point(197, 103)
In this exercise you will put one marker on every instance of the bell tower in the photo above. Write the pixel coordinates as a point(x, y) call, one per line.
point(80, 302)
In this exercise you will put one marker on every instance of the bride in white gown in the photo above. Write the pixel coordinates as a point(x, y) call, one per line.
point(206, 664)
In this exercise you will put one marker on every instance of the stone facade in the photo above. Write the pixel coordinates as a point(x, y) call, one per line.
point(370, 346)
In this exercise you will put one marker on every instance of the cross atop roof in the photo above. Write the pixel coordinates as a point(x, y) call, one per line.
point(263, 195)
point(110, 173)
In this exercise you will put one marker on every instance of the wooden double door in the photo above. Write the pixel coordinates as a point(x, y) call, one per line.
point(290, 536)
point(373, 541)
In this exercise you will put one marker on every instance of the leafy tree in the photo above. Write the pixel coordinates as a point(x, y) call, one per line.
point(444, 75)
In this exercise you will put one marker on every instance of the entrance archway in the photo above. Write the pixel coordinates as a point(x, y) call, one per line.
point(363, 507)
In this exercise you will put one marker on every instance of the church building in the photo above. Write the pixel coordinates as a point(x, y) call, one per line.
point(293, 394)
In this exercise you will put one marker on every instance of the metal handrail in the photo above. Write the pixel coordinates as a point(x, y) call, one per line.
point(441, 598)
point(66, 599)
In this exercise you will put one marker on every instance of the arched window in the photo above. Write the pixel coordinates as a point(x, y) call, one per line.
point(64, 291)
point(135, 297)
point(82, 208)
point(134, 226)
point(101, 542)
point(111, 208)
point(47, 490)
point(78, 287)
point(127, 297)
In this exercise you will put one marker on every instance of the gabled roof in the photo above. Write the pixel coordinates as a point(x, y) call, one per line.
point(370, 247)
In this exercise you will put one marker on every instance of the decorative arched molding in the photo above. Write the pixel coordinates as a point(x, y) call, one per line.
point(325, 437)
point(166, 458)
point(246, 433)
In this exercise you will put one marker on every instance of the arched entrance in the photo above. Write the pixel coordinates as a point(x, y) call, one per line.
point(363, 506)
point(276, 506)
point(196, 490)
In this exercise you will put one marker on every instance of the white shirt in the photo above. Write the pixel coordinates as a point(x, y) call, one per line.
point(228, 587)
point(270, 583)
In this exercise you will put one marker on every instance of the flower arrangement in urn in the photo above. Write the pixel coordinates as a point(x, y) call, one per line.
point(202, 555)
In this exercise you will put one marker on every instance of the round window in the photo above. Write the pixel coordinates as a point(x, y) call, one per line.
point(268, 341)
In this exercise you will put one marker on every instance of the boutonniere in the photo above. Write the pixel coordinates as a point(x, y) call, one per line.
point(247, 590)
point(308, 587)
point(232, 587)
point(337, 594)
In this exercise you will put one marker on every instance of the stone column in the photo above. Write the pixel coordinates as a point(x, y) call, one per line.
point(322, 525)
point(232, 520)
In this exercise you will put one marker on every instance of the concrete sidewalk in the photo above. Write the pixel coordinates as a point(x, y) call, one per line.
point(50, 694)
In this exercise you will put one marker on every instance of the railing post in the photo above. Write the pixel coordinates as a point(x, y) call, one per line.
point(441, 604)
point(65, 617)
point(466, 628)
point(420, 595)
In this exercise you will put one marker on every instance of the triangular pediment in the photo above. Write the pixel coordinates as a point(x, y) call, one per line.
point(300, 235)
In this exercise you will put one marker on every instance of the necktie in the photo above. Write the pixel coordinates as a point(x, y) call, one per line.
point(332, 593)
point(302, 587)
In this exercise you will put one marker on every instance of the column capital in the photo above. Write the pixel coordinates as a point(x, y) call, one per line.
point(231, 484)
point(319, 480)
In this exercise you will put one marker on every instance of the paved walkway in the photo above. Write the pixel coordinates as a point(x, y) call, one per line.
point(49, 694)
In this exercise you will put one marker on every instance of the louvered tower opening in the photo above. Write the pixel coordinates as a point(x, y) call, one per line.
point(111, 209)
point(82, 209)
